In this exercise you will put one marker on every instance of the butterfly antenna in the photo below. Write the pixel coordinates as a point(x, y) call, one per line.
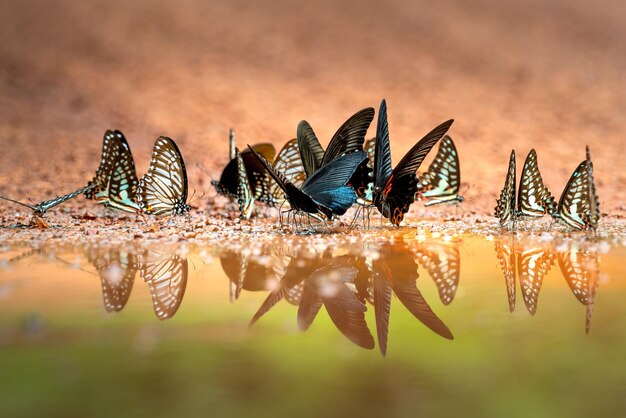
point(19, 203)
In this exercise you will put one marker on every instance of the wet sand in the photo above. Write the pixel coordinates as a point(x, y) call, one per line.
point(513, 75)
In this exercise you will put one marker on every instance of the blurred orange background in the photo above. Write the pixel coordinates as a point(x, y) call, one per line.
point(514, 74)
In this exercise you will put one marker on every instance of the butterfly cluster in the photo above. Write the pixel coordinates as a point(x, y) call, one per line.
point(162, 190)
point(324, 183)
point(578, 208)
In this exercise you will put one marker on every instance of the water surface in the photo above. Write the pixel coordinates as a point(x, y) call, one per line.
point(394, 324)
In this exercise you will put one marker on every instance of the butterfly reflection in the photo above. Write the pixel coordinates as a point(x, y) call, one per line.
point(323, 281)
point(395, 271)
point(530, 262)
point(580, 268)
point(250, 272)
point(442, 261)
point(117, 269)
point(166, 276)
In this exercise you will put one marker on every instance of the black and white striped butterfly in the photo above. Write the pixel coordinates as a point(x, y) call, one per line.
point(40, 209)
point(578, 205)
point(163, 189)
point(533, 199)
point(120, 190)
point(580, 269)
point(440, 184)
point(167, 279)
point(117, 270)
point(529, 264)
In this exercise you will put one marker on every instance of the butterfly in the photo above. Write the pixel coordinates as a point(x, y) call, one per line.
point(505, 205)
point(167, 279)
point(111, 149)
point(531, 264)
point(117, 270)
point(348, 138)
point(120, 190)
point(163, 189)
point(258, 183)
point(325, 191)
point(443, 263)
point(40, 209)
point(580, 270)
point(395, 271)
point(578, 205)
point(394, 189)
point(533, 199)
point(440, 184)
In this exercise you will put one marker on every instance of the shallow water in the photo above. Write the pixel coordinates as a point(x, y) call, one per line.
point(515, 325)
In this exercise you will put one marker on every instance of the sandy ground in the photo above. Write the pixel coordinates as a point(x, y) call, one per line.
point(542, 74)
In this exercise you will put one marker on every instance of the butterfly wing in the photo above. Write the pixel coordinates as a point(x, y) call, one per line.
point(505, 206)
point(163, 189)
point(506, 256)
point(382, 302)
point(311, 152)
point(443, 265)
point(594, 201)
point(288, 162)
point(350, 136)
point(111, 149)
point(123, 183)
point(382, 150)
point(399, 191)
point(327, 186)
point(533, 264)
point(245, 196)
point(442, 180)
point(167, 280)
point(534, 199)
point(578, 269)
point(344, 309)
point(574, 207)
